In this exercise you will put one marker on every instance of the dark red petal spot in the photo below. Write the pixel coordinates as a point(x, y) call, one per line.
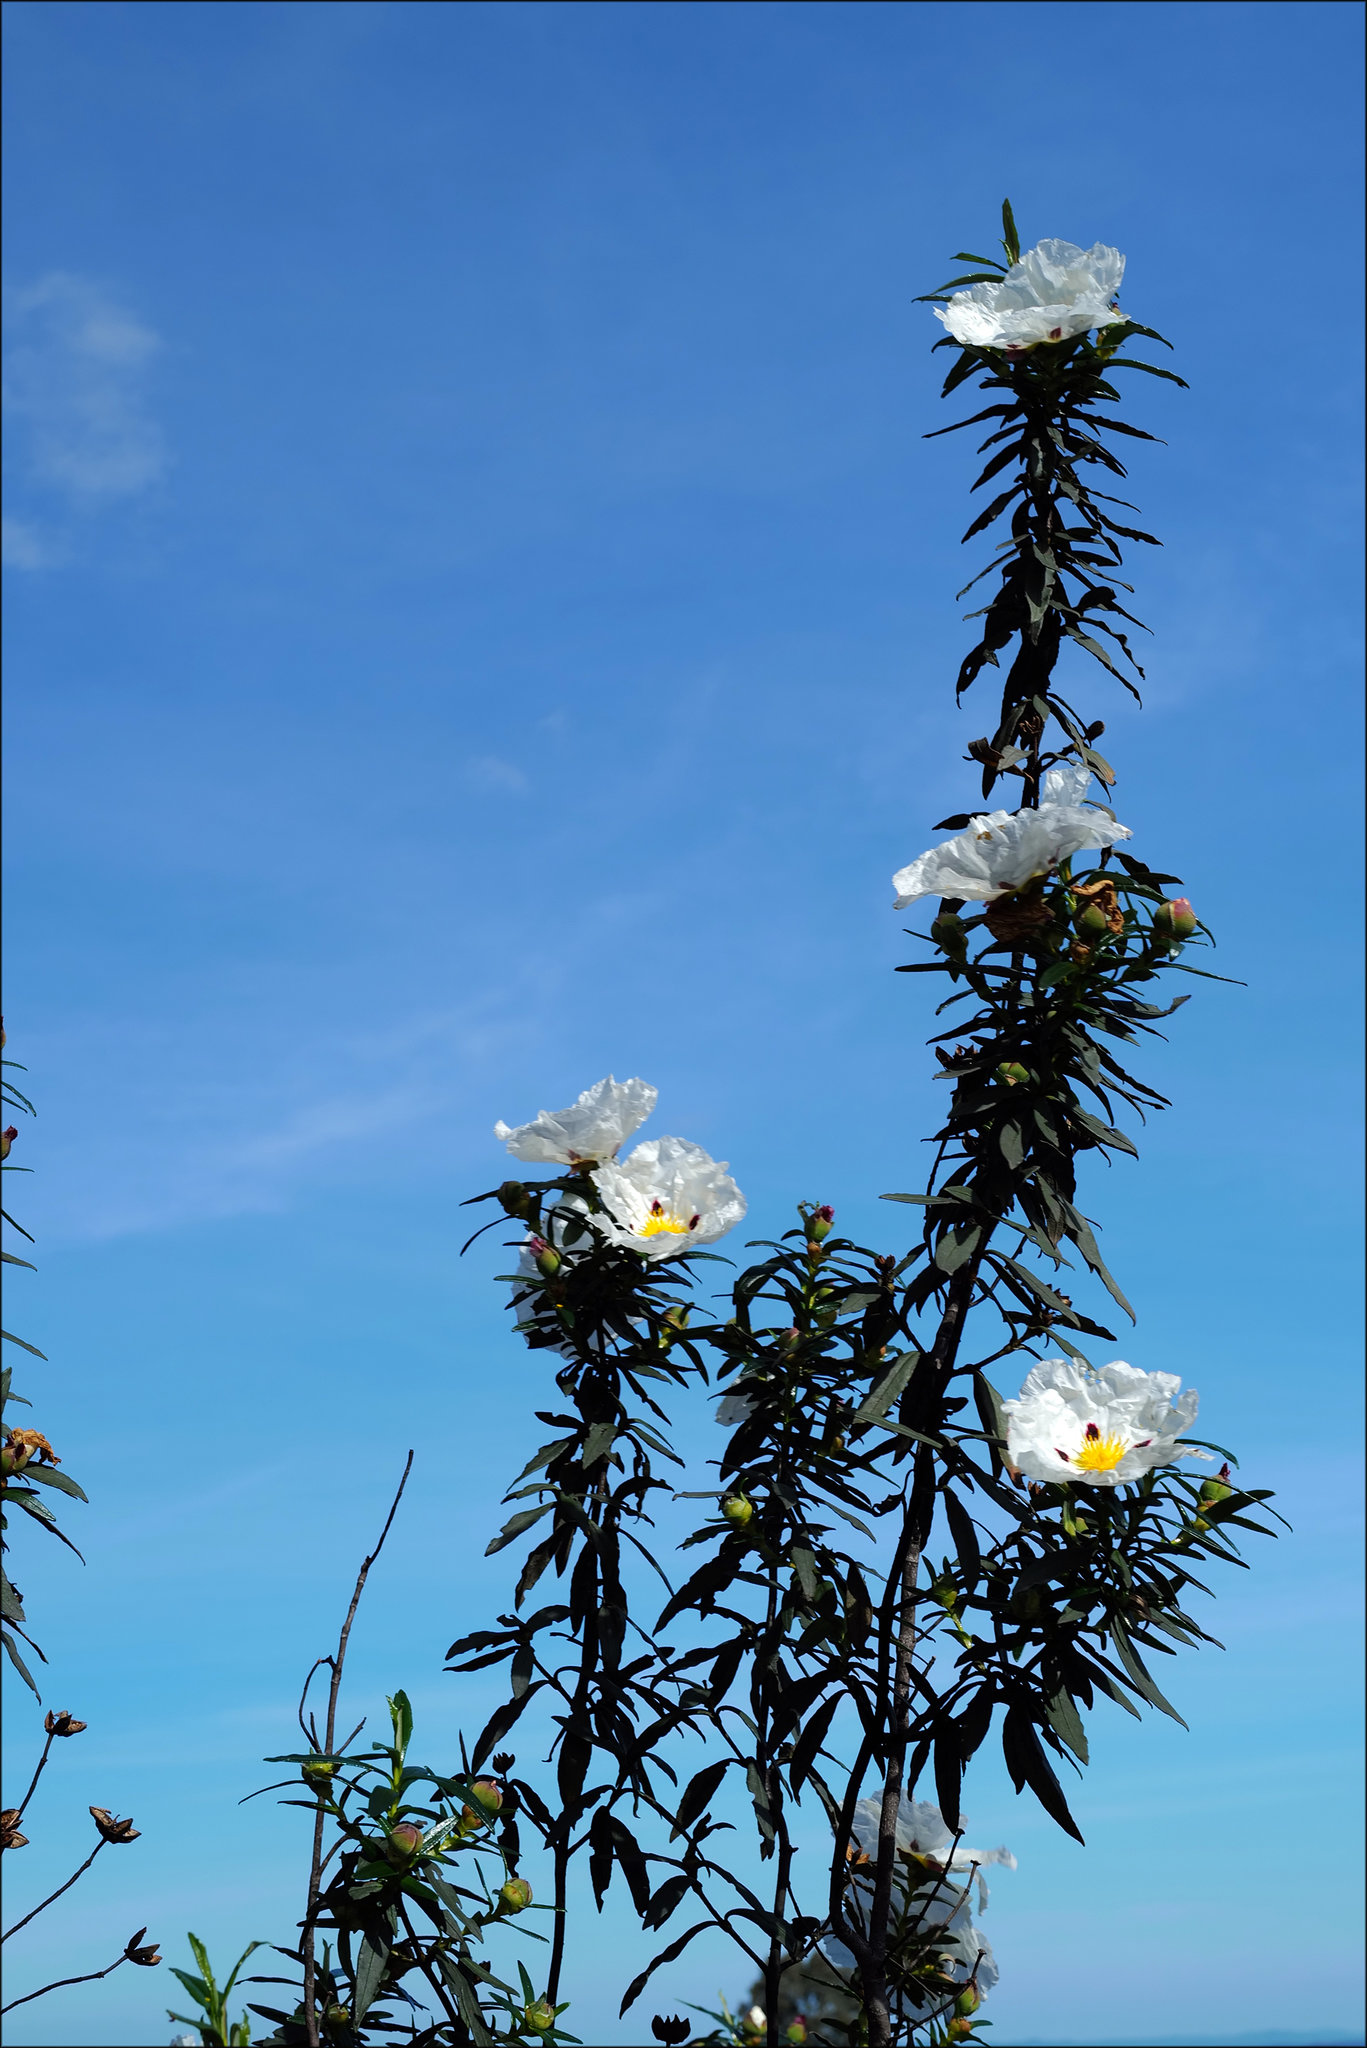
point(1091, 1432)
point(1144, 1443)
point(1063, 1454)
point(657, 1207)
point(694, 1221)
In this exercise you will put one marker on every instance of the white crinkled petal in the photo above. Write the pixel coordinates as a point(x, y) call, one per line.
point(590, 1129)
point(1048, 1421)
point(684, 1180)
point(1056, 291)
point(1002, 850)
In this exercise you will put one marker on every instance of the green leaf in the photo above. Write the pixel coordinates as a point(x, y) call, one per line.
point(1010, 238)
point(516, 1525)
point(953, 1251)
point(804, 1564)
point(45, 1476)
point(1028, 1765)
point(698, 1794)
point(1143, 1683)
point(1066, 1723)
point(597, 1443)
point(17, 1661)
point(877, 1403)
point(369, 1972)
point(24, 1344)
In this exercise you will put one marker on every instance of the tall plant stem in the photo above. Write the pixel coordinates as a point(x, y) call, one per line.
point(915, 1529)
point(329, 1737)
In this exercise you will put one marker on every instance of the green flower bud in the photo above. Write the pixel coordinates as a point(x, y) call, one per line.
point(515, 1894)
point(514, 1197)
point(487, 1797)
point(1013, 1073)
point(967, 2001)
point(819, 1225)
point(1174, 921)
point(1091, 920)
point(405, 1840)
point(320, 1771)
point(737, 1510)
point(539, 2018)
point(949, 934)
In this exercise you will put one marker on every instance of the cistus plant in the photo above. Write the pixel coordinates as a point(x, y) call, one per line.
point(897, 1561)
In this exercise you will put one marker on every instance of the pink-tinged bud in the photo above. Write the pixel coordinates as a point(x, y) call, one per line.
point(737, 1510)
point(515, 1894)
point(1216, 1489)
point(967, 2001)
point(405, 1839)
point(487, 1796)
point(797, 2031)
point(1174, 921)
point(820, 1225)
point(7, 1138)
point(547, 1262)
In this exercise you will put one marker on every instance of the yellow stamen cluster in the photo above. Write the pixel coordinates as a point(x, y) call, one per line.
point(1100, 1453)
point(662, 1221)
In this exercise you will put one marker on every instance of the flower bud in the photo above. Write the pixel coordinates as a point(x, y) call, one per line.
point(7, 1138)
point(405, 1840)
point(513, 1196)
point(1091, 919)
point(1174, 921)
point(737, 1510)
point(319, 1771)
point(539, 2018)
point(337, 2015)
point(796, 2032)
point(62, 1723)
point(1012, 1072)
point(967, 2001)
point(819, 1226)
point(515, 1894)
point(949, 934)
point(547, 1259)
point(1217, 1489)
point(960, 2030)
point(488, 1797)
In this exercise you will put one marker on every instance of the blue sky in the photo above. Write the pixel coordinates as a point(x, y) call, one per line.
point(480, 614)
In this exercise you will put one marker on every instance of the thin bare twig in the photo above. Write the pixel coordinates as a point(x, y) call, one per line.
point(316, 1860)
point(36, 1776)
point(47, 1902)
point(62, 1982)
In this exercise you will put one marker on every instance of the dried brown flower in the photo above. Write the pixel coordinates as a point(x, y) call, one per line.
point(113, 1830)
point(10, 1837)
point(146, 1957)
point(62, 1723)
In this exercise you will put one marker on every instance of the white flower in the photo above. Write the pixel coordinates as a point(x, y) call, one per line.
point(1100, 1427)
point(944, 1900)
point(1056, 290)
point(668, 1196)
point(1004, 850)
point(591, 1129)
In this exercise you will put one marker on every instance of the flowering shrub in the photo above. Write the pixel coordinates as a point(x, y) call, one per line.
point(894, 1563)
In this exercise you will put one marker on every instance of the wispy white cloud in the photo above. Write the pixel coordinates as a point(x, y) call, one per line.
point(488, 771)
point(23, 546)
point(75, 375)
